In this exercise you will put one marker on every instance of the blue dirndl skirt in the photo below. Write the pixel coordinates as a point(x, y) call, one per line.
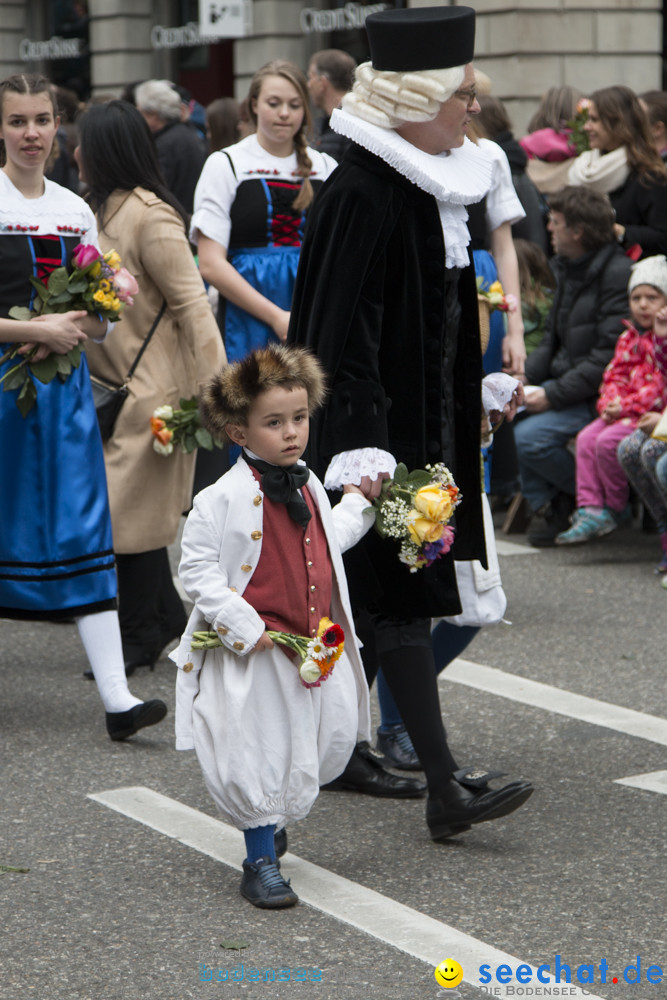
point(56, 548)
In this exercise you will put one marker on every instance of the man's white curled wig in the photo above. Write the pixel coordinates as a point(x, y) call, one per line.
point(389, 99)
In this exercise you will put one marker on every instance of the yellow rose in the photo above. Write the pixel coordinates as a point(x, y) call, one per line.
point(95, 269)
point(99, 296)
point(496, 287)
point(112, 257)
point(434, 502)
point(422, 529)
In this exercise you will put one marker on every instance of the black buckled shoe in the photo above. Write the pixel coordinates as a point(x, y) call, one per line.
point(365, 773)
point(263, 885)
point(396, 747)
point(280, 842)
point(120, 725)
point(457, 807)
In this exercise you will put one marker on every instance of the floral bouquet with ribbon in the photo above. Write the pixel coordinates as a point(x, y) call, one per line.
point(315, 656)
point(578, 135)
point(496, 297)
point(415, 508)
point(182, 427)
point(96, 283)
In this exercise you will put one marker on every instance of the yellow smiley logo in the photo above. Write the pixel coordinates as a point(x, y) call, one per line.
point(449, 973)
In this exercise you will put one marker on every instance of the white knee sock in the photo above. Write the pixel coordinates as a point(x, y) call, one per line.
point(100, 635)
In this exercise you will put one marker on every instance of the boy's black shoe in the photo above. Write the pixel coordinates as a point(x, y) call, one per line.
point(263, 885)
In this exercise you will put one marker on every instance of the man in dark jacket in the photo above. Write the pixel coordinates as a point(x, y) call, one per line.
point(181, 151)
point(583, 326)
point(386, 297)
point(330, 76)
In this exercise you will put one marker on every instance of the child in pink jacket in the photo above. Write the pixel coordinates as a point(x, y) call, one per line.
point(632, 384)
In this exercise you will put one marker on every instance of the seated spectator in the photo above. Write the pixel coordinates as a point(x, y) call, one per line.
point(623, 163)
point(537, 283)
point(180, 150)
point(632, 384)
point(495, 124)
point(644, 461)
point(548, 143)
point(565, 370)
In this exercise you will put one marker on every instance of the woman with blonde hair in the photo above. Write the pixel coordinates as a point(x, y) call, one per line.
point(250, 210)
point(624, 164)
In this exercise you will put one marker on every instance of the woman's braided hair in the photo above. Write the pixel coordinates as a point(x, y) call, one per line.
point(290, 72)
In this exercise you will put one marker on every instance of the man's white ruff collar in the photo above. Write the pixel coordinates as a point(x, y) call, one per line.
point(455, 179)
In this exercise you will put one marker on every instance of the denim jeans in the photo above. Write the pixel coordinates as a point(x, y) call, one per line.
point(546, 465)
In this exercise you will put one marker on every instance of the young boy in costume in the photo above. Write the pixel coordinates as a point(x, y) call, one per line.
point(261, 551)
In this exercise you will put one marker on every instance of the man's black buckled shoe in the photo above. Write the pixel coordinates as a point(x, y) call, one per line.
point(365, 773)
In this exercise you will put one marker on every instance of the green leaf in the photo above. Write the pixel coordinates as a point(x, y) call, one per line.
point(189, 404)
point(74, 356)
point(63, 365)
point(419, 478)
point(64, 298)
point(15, 378)
point(204, 439)
point(45, 370)
point(27, 397)
point(76, 285)
point(234, 945)
point(39, 287)
point(401, 473)
point(58, 281)
point(20, 312)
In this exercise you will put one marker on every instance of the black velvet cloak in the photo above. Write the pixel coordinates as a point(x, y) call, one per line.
point(374, 301)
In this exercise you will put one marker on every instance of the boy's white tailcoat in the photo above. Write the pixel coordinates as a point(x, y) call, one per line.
point(265, 742)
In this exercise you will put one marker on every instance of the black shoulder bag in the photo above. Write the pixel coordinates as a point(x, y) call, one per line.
point(109, 398)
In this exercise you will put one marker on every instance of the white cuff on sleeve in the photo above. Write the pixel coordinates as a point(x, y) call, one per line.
point(352, 466)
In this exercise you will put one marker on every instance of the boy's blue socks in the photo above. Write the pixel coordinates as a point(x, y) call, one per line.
point(260, 843)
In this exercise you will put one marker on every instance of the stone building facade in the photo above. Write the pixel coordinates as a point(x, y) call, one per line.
point(525, 46)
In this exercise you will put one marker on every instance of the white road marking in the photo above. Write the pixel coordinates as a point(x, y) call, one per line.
point(506, 548)
point(414, 933)
point(652, 781)
point(553, 699)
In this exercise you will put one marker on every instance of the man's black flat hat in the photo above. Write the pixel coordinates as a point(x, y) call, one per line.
point(419, 38)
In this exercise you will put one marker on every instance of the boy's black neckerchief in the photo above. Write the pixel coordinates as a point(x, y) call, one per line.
point(282, 484)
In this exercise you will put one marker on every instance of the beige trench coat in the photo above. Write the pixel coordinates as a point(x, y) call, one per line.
point(148, 492)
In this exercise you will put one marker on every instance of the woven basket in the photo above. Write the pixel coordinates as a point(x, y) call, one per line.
point(484, 321)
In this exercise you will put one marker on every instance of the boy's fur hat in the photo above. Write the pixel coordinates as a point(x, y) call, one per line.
point(227, 398)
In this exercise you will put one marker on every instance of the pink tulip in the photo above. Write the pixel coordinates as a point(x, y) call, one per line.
point(126, 285)
point(84, 255)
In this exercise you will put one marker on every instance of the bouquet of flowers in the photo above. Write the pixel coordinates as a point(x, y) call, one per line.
point(578, 137)
point(182, 427)
point(415, 508)
point(496, 297)
point(97, 283)
point(316, 656)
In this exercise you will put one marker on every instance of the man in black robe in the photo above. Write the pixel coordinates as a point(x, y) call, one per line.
point(386, 296)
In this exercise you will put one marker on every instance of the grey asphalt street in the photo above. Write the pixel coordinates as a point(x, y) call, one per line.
point(111, 909)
